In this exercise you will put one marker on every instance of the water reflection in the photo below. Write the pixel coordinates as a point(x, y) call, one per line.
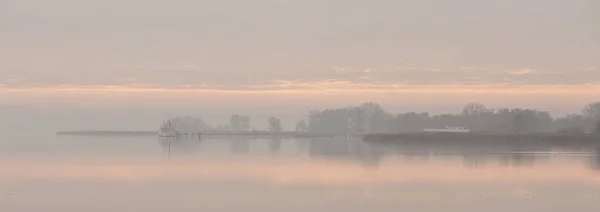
point(595, 160)
point(118, 174)
point(275, 145)
point(179, 145)
point(240, 145)
point(372, 154)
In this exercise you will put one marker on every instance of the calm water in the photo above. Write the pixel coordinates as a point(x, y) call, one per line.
point(72, 173)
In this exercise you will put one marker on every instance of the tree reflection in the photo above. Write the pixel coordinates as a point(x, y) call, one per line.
point(239, 145)
point(275, 145)
point(179, 144)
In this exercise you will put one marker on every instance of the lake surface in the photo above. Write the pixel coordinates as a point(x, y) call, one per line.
point(123, 174)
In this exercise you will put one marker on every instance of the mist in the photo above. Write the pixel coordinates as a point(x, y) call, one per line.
point(299, 105)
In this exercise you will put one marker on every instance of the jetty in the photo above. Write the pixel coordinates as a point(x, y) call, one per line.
point(286, 134)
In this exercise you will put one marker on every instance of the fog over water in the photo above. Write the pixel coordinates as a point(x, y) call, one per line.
point(522, 76)
point(75, 173)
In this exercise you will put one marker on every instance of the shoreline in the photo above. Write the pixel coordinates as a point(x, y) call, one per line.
point(482, 137)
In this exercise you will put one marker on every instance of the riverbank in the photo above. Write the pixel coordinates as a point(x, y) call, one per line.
point(482, 137)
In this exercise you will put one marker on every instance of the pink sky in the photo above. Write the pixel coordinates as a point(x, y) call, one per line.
point(287, 57)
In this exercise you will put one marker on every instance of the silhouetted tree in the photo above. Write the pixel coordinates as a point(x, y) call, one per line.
point(189, 124)
point(222, 128)
point(531, 121)
point(475, 109)
point(410, 122)
point(573, 123)
point(477, 117)
point(518, 122)
point(374, 116)
point(592, 110)
point(239, 123)
point(370, 117)
point(301, 126)
point(314, 118)
point(274, 124)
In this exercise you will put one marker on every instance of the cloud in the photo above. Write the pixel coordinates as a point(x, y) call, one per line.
point(320, 86)
point(406, 67)
point(127, 79)
point(468, 68)
point(592, 68)
point(222, 80)
point(411, 67)
point(340, 69)
point(478, 68)
point(16, 80)
point(523, 71)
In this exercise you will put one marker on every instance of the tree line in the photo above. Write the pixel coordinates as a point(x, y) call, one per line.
point(237, 123)
point(371, 117)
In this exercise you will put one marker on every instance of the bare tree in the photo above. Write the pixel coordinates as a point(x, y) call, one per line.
point(239, 123)
point(245, 121)
point(223, 128)
point(572, 123)
point(189, 124)
point(592, 110)
point(475, 109)
point(301, 126)
point(314, 121)
point(274, 124)
point(373, 115)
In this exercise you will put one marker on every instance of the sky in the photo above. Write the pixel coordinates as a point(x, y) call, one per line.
point(285, 57)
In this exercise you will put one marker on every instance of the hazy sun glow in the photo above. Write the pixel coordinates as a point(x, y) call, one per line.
point(293, 171)
point(328, 86)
